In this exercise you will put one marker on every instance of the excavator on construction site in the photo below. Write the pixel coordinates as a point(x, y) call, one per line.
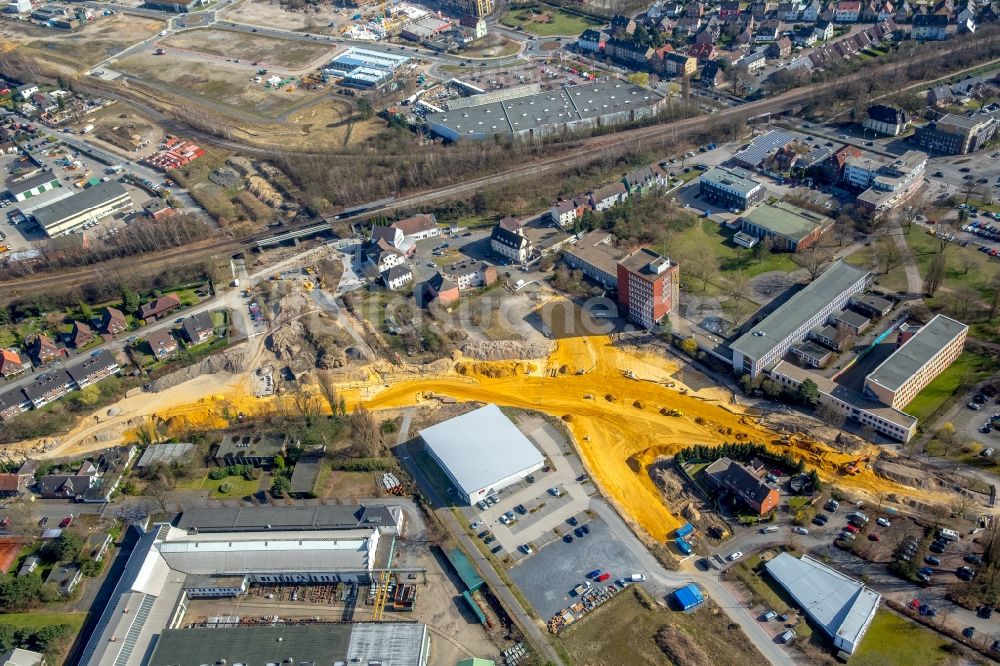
point(854, 467)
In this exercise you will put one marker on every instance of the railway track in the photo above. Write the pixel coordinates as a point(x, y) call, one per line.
point(646, 137)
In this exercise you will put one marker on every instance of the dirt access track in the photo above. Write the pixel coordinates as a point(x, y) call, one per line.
point(67, 53)
point(618, 423)
point(268, 51)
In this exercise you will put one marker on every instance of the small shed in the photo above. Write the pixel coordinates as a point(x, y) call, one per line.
point(689, 596)
point(684, 530)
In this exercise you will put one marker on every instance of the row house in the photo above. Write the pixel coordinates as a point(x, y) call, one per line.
point(781, 48)
point(789, 11)
point(712, 75)
point(810, 13)
point(929, 27)
point(94, 369)
point(644, 178)
point(622, 26)
point(608, 196)
point(567, 211)
point(768, 31)
point(591, 41)
point(847, 11)
point(628, 51)
point(702, 52)
point(729, 8)
point(679, 64)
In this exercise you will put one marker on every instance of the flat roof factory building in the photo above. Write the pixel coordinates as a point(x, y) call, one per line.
point(387, 643)
point(481, 452)
point(221, 552)
point(842, 606)
point(365, 68)
point(93, 203)
point(606, 101)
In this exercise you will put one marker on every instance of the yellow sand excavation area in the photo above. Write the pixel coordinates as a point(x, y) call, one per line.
point(616, 403)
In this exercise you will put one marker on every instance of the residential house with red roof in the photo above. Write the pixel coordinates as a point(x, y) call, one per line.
point(11, 363)
point(159, 307)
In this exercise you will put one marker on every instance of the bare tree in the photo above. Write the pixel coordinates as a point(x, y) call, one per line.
point(329, 389)
point(365, 432)
point(740, 304)
point(887, 254)
point(814, 260)
point(842, 227)
point(911, 212)
point(935, 273)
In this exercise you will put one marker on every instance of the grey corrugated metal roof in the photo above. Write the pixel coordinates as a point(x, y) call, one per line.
point(915, 352)
point(798, 309)
point(88, 199)
point(481, 448)
point(838, 603)
point(261, 518)
point(387, 643)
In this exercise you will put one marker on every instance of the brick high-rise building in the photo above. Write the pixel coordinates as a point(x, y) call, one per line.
point(648, 287)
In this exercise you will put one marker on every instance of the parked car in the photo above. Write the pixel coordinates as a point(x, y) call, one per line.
point(883, 522)
point(927, 571)
point(476, 525)
point(735, 556)
point(973, 558)
point(43, 522)
point(555, 491)
point(579, 532)
point(528, 550)
point(568, 538)
point(800, 530)
point(603, 577)
point(572, 521)
point(593, 574)
point(768, 616)
point(969, 632)
point(930, 559)
point(852, 529)
point(985, 611)
point(67, 521)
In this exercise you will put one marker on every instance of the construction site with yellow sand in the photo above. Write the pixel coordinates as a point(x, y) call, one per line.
point(625, 408)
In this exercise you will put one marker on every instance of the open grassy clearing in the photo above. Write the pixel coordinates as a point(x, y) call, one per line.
point(967, 370)
point(269, 51)
point(548, 21)
point(623, 631)
point(895, 641)
point(964, 266)
point(39, 619)
point(895, 279)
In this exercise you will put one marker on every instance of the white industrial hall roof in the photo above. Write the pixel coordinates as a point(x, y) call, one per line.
point(840, 604)
point(481, 448)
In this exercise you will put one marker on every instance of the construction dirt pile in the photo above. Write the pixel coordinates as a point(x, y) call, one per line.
point(232, 361)
point(495, 369)
point(287, 341)
point(665, 479)
point(504, 350)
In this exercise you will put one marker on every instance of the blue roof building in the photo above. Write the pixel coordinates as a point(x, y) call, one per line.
point(689, 596)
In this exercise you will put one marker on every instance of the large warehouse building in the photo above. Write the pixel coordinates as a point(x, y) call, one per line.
point(607, 101)
point(90, 205)
point(766, 343)
point(220, 553)
point(385, 643)
point(843, 607)
point(482, 452)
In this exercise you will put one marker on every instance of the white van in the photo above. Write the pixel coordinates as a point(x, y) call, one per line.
point(949, 535)
point(768, 530)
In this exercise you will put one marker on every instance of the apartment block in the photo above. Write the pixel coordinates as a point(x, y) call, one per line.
point(648, 287)
point(917, 362)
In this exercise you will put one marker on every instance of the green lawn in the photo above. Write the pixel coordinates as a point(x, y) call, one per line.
point(548, 21)
point(893, 640)
point(219, 319)
point(964, 266)
point(894, 280)
point(241, 486)
point(37, 620)
point(967, 369)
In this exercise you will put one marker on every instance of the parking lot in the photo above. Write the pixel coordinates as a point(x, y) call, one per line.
point(548, 577)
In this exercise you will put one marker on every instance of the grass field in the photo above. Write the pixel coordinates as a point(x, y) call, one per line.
point(623, 632)
point(37, 619)
point(894, 641)
point(967, 369)
point(964, 266)
point(548, 21)
point(241, 486)
point(895, 279)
